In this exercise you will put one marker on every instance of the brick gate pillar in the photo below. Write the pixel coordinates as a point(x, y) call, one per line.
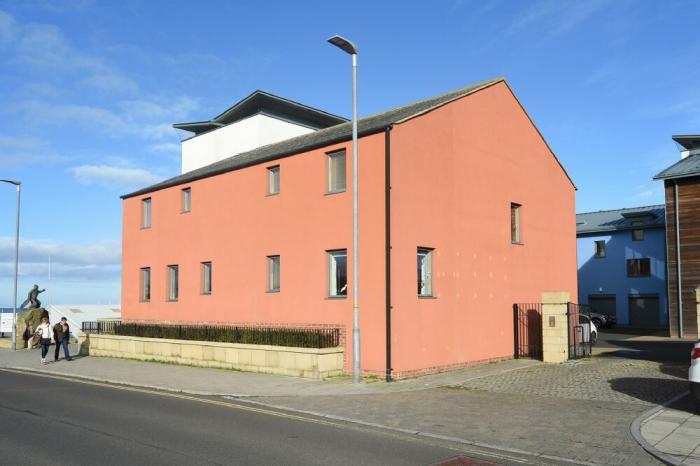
point(555, 331)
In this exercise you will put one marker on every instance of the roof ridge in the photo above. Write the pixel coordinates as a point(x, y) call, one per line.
point(623, 208)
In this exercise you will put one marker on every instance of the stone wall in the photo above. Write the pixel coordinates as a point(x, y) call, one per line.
point(311, 363)
point(555, 328)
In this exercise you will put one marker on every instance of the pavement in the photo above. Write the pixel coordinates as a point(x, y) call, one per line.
point(574, 413)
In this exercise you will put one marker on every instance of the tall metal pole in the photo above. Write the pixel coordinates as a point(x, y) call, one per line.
point(18, 186)
point(355, 247)
point(350, 48)
point(14, 305)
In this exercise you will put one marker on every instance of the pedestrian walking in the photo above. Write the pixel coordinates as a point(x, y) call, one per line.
point(44, 332)
point(28, 335)
point(61, 335)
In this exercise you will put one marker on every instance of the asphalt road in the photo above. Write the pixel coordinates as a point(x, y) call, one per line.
point(635, 345)
point(48, 420)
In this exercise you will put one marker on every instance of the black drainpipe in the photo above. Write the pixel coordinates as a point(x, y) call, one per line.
point(387, 229)
point(676, 206)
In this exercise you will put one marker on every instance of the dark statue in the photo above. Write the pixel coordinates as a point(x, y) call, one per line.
point(33, 298)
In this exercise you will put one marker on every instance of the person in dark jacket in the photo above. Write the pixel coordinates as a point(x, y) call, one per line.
point(28, 335)
point(61, 334)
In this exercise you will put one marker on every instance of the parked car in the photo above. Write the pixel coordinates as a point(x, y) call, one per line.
point(589, 328)
point(694, 371)
point(602, 320)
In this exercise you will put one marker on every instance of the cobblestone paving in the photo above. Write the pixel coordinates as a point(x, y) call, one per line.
point(581, 411)
point(599, 379)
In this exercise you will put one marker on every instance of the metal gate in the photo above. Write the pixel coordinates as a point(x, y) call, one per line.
point(527, 330)
point(578, 317)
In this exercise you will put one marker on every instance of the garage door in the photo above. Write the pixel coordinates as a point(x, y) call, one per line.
point(604, 304)
point(644, 311)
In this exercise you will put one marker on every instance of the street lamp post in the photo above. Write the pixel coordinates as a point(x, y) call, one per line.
point(18, 185)
point(350, 48)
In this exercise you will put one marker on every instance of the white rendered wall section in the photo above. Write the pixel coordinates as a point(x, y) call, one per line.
point(241, 136)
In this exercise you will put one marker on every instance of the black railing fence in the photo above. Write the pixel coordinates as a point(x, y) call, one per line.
point(296, 337)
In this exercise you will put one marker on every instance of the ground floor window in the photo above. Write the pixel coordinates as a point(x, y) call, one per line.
point(145, 284)
point(273, 273)
point(173, 282)
point(206, 277)
point(337, 273)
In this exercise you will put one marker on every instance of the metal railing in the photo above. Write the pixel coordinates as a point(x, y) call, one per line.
point(275, 336)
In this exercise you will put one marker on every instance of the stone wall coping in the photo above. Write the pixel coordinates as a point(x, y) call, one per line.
point(217, 344)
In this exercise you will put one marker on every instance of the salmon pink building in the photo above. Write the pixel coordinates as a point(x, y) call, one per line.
point(463, 211)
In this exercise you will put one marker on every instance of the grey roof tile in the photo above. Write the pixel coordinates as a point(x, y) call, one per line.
point(619, 219)
point(323, 137)
point(689, 166)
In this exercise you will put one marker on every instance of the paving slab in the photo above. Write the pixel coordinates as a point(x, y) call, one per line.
point(674, 430)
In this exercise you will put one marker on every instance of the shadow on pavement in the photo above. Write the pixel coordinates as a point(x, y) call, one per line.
point(644, 347)
point(649, 390)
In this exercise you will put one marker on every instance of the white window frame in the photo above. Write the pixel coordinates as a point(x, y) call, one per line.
point(333, 184)
point(274, 274)
point(333, 291)
point(145, 284)
point(173, 285)
point(146, 212)
point(186, 200)
point(424, 271)
point(206, 277)
point(273, 180)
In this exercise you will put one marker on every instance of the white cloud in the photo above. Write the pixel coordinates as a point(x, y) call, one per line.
point(16, 151)
point(165, 147)
point(114, 176)
point(110, 82)
point(8, 29)
point(100, 260)
point(555, 16)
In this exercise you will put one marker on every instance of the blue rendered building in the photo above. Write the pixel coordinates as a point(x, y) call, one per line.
point(622, 264)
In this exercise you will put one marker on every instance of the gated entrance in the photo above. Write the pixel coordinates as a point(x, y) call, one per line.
point(527, 328)
point(578, 317)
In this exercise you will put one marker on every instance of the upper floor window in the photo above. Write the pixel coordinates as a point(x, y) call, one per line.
point(515, 230)
point(146, 213)
point(206, 277)
point(186, 200)
point(273, 273)
point(638, 267)
point(173, 282)
point(638, 235)
point(273, 180)
point(425, 272)
point(600, 248)
point(336, 171)
point(145, 284)
point(337, 273)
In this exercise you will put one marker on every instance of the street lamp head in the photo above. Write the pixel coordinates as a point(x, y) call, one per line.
point(14, 182)
point(343, 44)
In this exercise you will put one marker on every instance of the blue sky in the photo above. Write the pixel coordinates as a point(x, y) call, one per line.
point(89, 91)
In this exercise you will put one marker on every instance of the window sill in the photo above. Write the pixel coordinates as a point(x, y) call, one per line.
point(185, 211)
point(171, 300)
point(426, 297)
point(517, 243)
point(340, 191)
point(272, 291)
point(205, 293)
point(144, 301)
point(272, 194)
point(332, 298)
point(145, 228)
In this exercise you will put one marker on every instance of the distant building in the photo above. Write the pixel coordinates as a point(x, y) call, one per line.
point(463, 211)
point(622, 264)
point(682, 189)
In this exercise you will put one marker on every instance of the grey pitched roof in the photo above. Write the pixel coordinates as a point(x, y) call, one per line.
point(323, 137)
point(653, 216)
point(261, 101)
point(689, 166)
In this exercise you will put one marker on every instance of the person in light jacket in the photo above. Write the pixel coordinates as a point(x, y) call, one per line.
point(45, 337)
point(61, 335)
point(28, 335)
